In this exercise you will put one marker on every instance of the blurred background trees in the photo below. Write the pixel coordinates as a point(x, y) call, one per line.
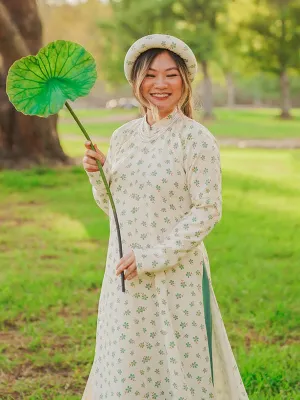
point(273, 40)
point(248, 50)
point(248, 53)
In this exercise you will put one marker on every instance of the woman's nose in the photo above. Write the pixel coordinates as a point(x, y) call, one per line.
point(160, 82)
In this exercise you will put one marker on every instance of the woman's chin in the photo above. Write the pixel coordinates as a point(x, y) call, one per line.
point(163, 106)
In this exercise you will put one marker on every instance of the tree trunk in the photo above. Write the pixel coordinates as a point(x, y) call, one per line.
point(230, 90)
point(207, 100)
point(24, 140)
point(285, 96)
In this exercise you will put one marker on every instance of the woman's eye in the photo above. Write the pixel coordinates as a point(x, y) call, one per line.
point(153, 76)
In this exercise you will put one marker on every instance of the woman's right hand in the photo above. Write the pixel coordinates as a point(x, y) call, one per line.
point(89, 159)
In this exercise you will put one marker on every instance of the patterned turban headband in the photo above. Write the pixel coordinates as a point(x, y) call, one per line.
point(162, 42)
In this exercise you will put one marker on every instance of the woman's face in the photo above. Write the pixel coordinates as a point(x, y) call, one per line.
point(162, 85)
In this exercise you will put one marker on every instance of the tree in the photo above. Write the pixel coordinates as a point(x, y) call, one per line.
point(273, 42)
point(230, 43)
point(194, 21)
point(199, 27)
point(24, 140)
point(131, 20)
point(60, 17)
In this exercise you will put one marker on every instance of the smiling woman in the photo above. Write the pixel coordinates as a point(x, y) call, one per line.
point(164, 338)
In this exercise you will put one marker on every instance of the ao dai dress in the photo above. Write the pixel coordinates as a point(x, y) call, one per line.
point(151, 341)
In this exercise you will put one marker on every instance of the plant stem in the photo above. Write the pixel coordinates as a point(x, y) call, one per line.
point(106, 186)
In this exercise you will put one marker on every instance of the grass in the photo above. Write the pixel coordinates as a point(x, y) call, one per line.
point(98, 129)
point(254, 124)
point(240, 123)
point(53, 243)
point(76, 146)
point(94, 113)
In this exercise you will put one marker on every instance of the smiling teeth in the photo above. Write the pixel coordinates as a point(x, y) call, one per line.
point(160, 95)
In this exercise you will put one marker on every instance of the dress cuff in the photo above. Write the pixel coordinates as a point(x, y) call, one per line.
point(138, 260)
point(95, 177)
point(148, 260)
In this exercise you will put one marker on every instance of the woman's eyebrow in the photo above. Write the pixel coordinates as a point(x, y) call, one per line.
point(168, 69)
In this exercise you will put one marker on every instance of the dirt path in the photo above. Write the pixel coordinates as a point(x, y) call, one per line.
point(292, 143)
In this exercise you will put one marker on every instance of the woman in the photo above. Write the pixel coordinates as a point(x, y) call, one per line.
point(154, 341)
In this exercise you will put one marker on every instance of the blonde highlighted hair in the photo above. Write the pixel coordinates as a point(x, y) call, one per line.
point(139, 71)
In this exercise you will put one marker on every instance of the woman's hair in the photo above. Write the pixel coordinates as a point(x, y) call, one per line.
point(139, 71)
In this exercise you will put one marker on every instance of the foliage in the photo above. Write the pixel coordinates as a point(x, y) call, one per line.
point(198, 25)
point(230, 40)
point(76, 22)
point(40, 85)
point(227, 45)
point(194, 21)
point(274, 36)
point(131, 21)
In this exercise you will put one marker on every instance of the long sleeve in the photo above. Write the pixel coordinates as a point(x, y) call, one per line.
point(98, 187)
point(203, 176)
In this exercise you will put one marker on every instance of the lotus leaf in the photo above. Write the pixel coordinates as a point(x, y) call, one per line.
point(40, 85)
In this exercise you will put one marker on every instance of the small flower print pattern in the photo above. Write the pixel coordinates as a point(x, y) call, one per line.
point(151, 341)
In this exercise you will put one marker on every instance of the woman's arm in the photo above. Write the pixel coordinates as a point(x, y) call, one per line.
point(203, 169)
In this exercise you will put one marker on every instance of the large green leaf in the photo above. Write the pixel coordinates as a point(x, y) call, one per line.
point(40, 85)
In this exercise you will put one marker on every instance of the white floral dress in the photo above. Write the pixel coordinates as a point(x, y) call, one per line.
point(151, 341)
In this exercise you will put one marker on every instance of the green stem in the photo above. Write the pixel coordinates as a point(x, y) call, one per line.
point(106, 186)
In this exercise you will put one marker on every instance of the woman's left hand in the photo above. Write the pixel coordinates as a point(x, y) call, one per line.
point(127, 263)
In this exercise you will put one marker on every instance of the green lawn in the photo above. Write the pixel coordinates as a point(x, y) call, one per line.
point(52, 255)
point(96, 129)
point(77, 148)
point(254, 124)
point(94, 113)
point(240, 123)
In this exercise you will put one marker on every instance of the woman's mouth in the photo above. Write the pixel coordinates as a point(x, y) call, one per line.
point(160, 96)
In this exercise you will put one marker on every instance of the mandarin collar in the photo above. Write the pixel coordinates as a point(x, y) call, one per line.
point(162, 122)
point(148, 133)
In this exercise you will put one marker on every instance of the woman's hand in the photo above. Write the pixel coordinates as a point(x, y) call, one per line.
point(89, 160)
point(127, 263)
